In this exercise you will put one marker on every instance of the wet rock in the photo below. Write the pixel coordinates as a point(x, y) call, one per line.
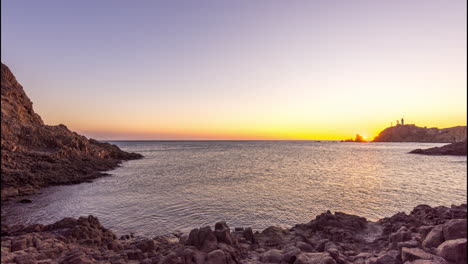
point(453, 250)
point(454, 229)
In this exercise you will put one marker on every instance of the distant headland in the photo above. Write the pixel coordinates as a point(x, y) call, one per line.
point(402, 132)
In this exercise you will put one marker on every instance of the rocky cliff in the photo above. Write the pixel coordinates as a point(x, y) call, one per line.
point(413, 133)
point(36, 155)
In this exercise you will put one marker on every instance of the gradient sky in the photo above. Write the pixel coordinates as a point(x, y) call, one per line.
point(239, 69)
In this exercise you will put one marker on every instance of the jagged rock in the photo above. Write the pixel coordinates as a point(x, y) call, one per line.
point(434, 238)
point(455, 228)
point(453, 250)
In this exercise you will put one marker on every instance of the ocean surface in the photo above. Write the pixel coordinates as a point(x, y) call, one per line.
point(180, 185)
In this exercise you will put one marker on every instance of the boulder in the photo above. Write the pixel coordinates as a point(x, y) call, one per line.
point(272, 256)
point(410, 254)
point(305, 247)
point(223, 233)
point(403, 234)
point(248, 235)
point(424, 230)
point(453, 250)
point(454, 229)
point(203, 238)
point(290, 254)
point(146, 245)
point(389, 257)
point(434, 238)
point(314, 258)
point(216, 257)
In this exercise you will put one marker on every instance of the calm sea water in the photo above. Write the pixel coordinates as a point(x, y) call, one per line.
point(181, 185)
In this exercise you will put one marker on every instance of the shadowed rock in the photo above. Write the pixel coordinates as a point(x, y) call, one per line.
point(455, 149)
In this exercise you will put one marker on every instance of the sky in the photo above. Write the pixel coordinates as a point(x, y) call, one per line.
point(169, 70)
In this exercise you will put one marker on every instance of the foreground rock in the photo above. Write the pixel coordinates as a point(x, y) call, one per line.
point(35, 155)
point(457, 148)
point(426, 235)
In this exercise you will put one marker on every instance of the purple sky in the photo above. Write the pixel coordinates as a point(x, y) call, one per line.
point(238, 69)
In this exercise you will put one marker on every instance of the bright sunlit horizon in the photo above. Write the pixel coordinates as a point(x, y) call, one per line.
point(239, 70)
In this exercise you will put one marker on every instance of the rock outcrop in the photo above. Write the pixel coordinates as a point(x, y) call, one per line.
point(426, 235)
point(35, 155)
point(457, 149)
point(412, 133)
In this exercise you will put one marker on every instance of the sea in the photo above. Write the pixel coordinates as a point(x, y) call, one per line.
point(181, 185)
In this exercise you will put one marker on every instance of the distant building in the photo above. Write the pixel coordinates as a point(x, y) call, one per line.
point(402, 121)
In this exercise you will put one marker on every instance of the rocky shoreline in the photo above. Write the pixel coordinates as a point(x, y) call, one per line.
point(426, 235)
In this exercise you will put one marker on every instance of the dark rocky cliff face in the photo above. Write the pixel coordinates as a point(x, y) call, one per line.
point(412, 133)
point(36, 155)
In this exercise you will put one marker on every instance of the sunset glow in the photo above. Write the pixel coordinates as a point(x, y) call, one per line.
point(318, 70)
